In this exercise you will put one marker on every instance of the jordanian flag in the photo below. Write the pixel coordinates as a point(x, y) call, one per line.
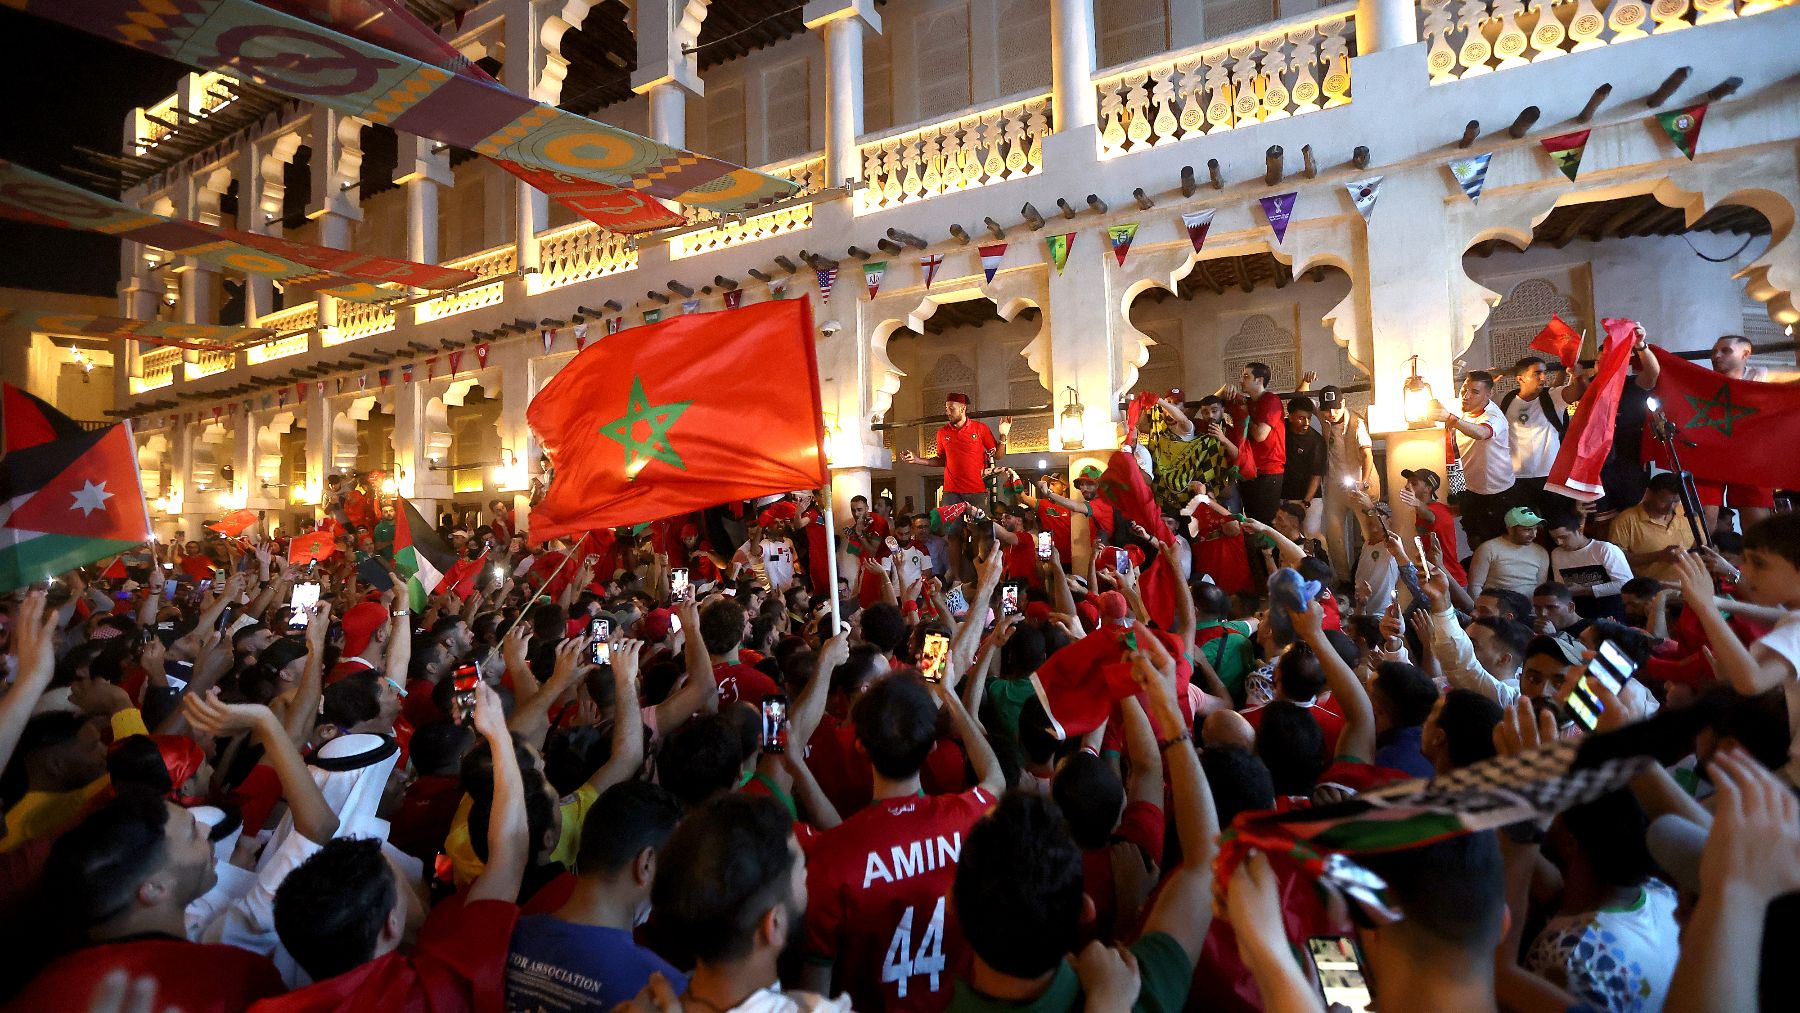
point(421, 556)
point(69, 502)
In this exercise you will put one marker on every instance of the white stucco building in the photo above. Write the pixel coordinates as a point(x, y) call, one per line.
point(951, 123)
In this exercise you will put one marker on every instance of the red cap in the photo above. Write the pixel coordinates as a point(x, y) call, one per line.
point(1113, 606)
point(1037, 610)
point(958, 397)
point(690, 530)
point(360, 624)
point(655, 625)
point(1090, 615)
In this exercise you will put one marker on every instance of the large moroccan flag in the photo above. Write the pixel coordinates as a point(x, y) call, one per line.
point(1124, 486)
point(420, 555)
point(68, 502)
point(660, 420)
point(28, 421)
point(1738, 431)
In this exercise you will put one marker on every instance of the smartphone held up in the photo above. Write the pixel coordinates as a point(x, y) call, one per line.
point(463, 683)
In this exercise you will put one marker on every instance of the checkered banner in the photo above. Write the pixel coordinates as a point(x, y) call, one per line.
point(34, 197)
point(200, 337)
point(305, 61)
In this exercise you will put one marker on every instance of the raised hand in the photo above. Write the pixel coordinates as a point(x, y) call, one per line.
point(1755, 840)
point(1523, 728)
point(1109, 976)
point(208, 714)
point(1696, 582)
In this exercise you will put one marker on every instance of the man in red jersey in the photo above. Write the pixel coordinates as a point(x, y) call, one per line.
point(965, 450)
point(877, 884)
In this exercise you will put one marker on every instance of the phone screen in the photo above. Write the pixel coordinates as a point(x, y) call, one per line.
point(1337, 967)
point(679, 589)
point(169, 589)
point(934, 657)
point(774, 724)
point(462, 701)
point(674, 623)
point(1009, 599)
point(1043, 544)
point(299, 606)
point(1124, 561)
point(1612, 669)
point(957, 603)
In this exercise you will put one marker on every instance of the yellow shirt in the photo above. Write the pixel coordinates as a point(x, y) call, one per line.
point(1634, 531)
point(48, 813)
point(466, 867)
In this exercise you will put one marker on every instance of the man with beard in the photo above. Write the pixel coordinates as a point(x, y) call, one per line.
point(124, 878)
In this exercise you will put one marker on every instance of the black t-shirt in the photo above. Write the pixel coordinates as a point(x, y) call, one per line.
point(1305, 461)
point(1623, 474)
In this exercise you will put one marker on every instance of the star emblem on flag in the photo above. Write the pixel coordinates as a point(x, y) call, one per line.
point(91, 497)
point(1717, 412)
point(655, 444)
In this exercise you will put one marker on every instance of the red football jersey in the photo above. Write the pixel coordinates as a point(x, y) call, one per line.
point(878, 906)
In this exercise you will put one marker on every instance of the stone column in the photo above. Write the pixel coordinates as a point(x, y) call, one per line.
point(423, 170)
point(1072, 62)
point(336, 142)
point(1385, 24)
point(842, 24)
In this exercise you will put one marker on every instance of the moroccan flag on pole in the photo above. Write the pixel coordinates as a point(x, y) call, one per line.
point(28, 421)
point(419, 554)
point(694, 412)
point(1589, 439)
point(1738, 431)
point(311, 548)
point(1560, 340)
point(460, 580)
point(65, 503)
point(234, 523)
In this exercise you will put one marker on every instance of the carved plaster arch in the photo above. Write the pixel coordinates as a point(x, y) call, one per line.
point(210, 187)
point(435, 424)
point(1010, 296)
point(273, 166)
point(1326, 242)
point(267, 450)
point(571, 15)
point(153, 454)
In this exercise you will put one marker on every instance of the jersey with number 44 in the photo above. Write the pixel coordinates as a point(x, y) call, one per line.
point(878, 907)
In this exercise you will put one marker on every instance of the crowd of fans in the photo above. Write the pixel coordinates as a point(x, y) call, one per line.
point(656, 767)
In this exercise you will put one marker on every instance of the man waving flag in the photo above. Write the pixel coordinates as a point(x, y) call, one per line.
point(661, 420)
point(69, 502)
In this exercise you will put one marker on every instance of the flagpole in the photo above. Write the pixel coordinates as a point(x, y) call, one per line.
point(549, 580)
point(831, 552)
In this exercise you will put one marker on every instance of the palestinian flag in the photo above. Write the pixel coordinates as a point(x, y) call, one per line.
point(421, 556)
point(28, 421)
point(68, 502)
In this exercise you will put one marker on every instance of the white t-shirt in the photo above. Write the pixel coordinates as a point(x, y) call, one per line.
point(1616, 958)
point(1499, 562)
point(914, 563)
point(1784, 641)
point(1535, 441)
point(1376, 567)
point(1487, 464)
point(778, 564)
point(1597, 565)
point(1344, 451)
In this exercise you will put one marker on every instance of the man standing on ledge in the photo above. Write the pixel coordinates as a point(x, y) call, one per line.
point(965, 449)
point(1253, 403)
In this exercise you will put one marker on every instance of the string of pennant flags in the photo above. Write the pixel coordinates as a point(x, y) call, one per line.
point(1470, 173)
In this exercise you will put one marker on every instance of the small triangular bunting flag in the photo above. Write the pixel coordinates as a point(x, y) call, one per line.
point(1471, 174)
point(690, 305)
point(1059, 249)
point(990, 258)
point(615, 324)
point(1121, 236)
point(1683, 127)
point(872, 275)
point(928, 266)
point(580, 336)
point(1565, 150)
point(652, 316)
point(827, 278)
point(456, 358)
point(481, 354)
point(1278, 208)
point(1363, 194)
point(778, 288)
point(734, 298)
point(548, 335)
point(1197, 223)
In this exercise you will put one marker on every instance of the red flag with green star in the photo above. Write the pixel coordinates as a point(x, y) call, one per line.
point(1728, 430)
point(660, 420)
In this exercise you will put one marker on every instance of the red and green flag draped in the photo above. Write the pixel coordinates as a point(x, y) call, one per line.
point(1123, 485)
point(67, 502)
point(1734, 431)
point(28, 421)
point(419, 554)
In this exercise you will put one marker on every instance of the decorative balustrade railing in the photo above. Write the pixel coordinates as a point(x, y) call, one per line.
point(359, 320)
point(809, 172)
point(497, 263)
point(972, 149)
point(581, 252)
point(1272, 72)
point(156, 368)
point(1473, 37)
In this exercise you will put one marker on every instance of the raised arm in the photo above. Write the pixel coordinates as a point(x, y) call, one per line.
point(531, 717)
point(1145, 783)
point(1743, 669)
point(303, 711)
point(628, 727)
point(505, 869)
point(987, 577)
point(1357, 740)
point(1184, 908)
point(34, 633)
point(981, 754)
point(313, 816)
point(700, 693)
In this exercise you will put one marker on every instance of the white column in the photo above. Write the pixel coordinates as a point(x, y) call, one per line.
point(199, 295)
point(423, 170)
point(1385, 24)
point(259, 292)
point(1072, 63)
point(842, 24)
point(668, 113)
point(336, 142)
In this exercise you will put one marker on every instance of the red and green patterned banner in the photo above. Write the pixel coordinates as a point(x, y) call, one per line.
point(200, 337)
point(29, 196)
point(305, 61)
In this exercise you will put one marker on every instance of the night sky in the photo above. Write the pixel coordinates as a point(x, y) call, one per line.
point(69, 88)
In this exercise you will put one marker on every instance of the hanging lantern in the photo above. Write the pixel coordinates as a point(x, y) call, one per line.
point(1416, 398)
point(1073, 428)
